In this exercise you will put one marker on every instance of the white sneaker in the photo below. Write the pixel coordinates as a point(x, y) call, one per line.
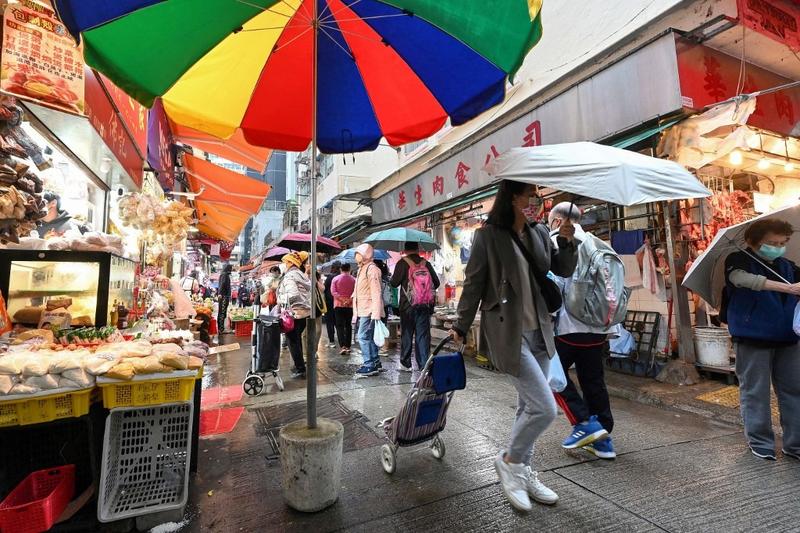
point(405, 368)
point(538, 491)
point(513, 479)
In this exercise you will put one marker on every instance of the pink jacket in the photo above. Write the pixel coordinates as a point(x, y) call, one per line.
point(342, 288)
point(367, 296)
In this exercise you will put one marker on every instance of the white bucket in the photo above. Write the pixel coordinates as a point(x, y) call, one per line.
point(712, 346)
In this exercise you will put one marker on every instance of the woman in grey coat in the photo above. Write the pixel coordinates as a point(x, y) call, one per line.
point(516, 329)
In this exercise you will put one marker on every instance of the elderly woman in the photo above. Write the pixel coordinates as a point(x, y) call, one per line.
point(294, 294)
point(504, 278)
point(760, 296)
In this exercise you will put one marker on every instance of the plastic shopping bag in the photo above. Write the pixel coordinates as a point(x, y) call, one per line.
point(556, 376)
point(796, 320)
point(381, 333)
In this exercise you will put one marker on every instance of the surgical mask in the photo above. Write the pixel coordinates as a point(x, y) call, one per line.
point(770, 252)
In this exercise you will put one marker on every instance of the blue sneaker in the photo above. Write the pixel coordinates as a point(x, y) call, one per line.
point(584, 434)
point(763, 453)
point(604, 449)
point(368, 370)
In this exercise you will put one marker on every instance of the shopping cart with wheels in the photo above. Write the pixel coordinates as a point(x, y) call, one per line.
point(266, 352)
point(424, 414)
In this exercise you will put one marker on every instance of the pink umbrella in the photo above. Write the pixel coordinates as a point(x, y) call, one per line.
point(302, 242)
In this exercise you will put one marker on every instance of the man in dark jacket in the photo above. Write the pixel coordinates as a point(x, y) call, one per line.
point(224, 297)
point(415, 320)
point(56, 220)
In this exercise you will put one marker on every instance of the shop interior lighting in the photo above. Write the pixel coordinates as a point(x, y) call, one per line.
point(736, 158)
point(763, 163)
point(788, 166)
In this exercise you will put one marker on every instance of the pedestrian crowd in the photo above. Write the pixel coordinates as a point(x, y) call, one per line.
point(550, 297)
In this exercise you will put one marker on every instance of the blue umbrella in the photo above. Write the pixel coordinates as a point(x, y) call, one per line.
point(349, 256)
point(397, 239)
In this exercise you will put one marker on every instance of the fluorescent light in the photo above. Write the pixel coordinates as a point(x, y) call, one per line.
point(735, 158)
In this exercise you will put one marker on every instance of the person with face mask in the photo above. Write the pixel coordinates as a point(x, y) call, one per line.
point(758, 307)
point(504, 278)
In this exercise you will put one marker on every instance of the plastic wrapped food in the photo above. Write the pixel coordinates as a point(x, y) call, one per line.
point(140, 348)
point(147, 365)
point(22, 388)
point(34, 365)
point(46, 382)
point(178, 362)
point(10, 364)
point(65, 383)
point(195, 362)
point(7, 383)
point(98, 365)
point(63, 362)
point(79, 376)
point(122, 370)
point(159, 349)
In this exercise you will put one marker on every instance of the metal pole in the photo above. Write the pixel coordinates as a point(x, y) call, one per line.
point(311, 373)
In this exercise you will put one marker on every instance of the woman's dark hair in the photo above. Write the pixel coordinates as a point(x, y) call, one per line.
point(383, 268)
point(756, 231)
point(502, 212)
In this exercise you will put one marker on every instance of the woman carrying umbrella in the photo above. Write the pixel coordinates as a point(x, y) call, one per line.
point(758, 307)
point(294, 294)
point(504, 278)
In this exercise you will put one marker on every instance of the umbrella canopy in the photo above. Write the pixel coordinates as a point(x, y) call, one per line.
point(235, 148)
point(396, 239)
point(706, 277)
point(386, 68)
point(276, 253)
point(349, 256)
point(598, 171)
point(302, 242)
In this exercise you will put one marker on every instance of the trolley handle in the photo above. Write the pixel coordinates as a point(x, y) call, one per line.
point(444, 343)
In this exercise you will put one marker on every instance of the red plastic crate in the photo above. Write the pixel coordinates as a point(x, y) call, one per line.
point(37, 502)
point(243, 328)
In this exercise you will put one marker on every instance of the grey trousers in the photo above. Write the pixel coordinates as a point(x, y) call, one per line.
point(536, 406)
point(756, 367)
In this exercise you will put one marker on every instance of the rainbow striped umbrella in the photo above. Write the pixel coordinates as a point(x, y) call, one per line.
point(393, 69)
point(339, 74)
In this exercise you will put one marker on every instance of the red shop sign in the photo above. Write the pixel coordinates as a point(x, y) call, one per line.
point(708, 77)
point(133, 114)
point(777, 19)
point(107, 123)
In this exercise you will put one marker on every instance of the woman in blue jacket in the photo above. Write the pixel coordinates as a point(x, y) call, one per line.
point(759, 312)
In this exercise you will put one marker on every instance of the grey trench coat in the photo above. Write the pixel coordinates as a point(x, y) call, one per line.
point(493, 285)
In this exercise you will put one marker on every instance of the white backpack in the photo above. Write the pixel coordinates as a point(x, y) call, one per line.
point(598, 296)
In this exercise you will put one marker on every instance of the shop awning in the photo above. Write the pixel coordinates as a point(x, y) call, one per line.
point(235, 148)
point(642, 135)
point(226, 199)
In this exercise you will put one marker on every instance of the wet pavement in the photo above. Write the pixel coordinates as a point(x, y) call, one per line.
point(676, 470)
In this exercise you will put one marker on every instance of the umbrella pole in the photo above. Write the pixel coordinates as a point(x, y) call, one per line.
point(311, 364)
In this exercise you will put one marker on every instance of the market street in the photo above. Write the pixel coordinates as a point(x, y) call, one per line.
point(676, 471)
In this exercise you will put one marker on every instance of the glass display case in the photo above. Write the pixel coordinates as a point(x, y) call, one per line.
point(34, 280)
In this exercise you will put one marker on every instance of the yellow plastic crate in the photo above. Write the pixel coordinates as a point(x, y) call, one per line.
point(45, 408)
point(144, 393)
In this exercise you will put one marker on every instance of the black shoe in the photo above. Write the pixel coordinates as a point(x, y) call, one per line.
point(298, 374)
point(792, 455)
point(763, 453)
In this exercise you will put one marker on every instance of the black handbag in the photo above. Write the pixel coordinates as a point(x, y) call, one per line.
point(549, 289)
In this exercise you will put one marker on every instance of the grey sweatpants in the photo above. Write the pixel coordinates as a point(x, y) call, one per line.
point(536, 406)
point(756, 367)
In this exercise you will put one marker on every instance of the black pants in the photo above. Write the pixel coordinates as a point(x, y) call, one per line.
point(586, 352)
point(330, 323)
point(295, 340)
point(415, 329)
point(344, 326)
point(222, 313)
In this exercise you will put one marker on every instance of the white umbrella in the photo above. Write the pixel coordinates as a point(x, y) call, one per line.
point(706, 277)
point(598, 171)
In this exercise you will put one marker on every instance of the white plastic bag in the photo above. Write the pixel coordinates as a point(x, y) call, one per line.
point(555, 376)
point(796, 320)
point(381, 333)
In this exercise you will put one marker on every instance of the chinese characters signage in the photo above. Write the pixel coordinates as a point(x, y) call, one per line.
point(777, 19)
point(133, 114)
point(40, 62)
point(159, 145)
point(708, 77)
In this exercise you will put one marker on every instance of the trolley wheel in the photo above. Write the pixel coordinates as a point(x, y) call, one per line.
point(437, 448)
point(253, 385)
point(388, 458)
point(278, 381)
